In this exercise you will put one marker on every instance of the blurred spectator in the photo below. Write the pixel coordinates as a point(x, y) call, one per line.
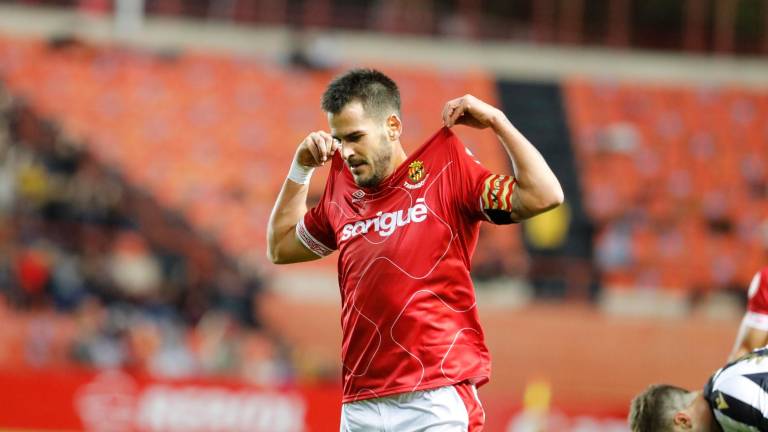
point(215, 344)
point(8, 174)
point(311, 51)
point(33, 270)
point(134, 271)
point(172, 357)
point(618, 138)
point(264, 362)
point(98, 340)
point(234, 295)
point(40, 340)
point(67, 282)
point(754, 172)
point(764, 233)
point(8, 285)
point(614, 247)
point(32, 184)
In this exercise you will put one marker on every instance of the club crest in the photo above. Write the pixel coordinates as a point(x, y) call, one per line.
point(416, 171)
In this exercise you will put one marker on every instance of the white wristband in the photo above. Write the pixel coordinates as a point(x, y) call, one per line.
point(299, 173)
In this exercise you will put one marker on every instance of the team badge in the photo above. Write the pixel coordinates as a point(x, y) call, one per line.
point(416, 171)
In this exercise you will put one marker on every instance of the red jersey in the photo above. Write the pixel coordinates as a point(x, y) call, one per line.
point(409, 318)
point(757, 305)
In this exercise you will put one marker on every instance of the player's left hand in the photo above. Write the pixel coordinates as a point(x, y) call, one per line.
point(471, 111)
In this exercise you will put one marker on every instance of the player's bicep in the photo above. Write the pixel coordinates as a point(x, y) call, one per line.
point(498, 201)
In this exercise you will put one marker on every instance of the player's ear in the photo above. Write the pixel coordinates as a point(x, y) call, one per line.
point(682, 420)
point(394, 127)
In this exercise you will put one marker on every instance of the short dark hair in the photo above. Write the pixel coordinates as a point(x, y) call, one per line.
point(377, 92)
point(654, 409)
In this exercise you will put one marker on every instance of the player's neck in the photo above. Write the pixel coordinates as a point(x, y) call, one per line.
point(703, 412)
point(397, 159)
point(398, 156)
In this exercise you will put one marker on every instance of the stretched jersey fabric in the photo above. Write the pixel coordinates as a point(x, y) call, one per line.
point(757, 305)
point(409, 318)
point(738, 393)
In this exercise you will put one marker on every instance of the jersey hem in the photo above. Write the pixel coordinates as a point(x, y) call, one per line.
point(477, 380)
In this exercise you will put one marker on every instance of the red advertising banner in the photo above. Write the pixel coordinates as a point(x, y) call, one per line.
point(117, 401)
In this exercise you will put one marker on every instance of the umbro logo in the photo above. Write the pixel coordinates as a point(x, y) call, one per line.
point(357, 196)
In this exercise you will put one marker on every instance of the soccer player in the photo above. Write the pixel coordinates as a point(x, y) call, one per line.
point(405, 227)
point(753, 332)
point(734, 400)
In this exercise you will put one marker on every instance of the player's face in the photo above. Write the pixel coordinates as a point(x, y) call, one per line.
point(364, 144)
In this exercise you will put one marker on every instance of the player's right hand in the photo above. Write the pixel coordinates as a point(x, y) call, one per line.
point(316, 149)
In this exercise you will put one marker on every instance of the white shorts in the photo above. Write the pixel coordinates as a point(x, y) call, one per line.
point(444, 409)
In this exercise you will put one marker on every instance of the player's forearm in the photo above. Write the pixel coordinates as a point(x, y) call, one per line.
point(537, 188)
point(289, 209)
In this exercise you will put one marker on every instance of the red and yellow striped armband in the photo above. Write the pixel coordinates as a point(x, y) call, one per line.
point(496, 198)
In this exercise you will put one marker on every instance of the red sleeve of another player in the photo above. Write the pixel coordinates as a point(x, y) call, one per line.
point(484, 195)
point(315, 230)
point(757, 306)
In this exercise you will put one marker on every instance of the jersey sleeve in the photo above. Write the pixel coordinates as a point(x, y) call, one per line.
point(314, 230)
point(482, 194)
point(757, 303)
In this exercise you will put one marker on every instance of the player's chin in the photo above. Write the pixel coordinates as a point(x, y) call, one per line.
point(362, 181)
point(365, 180)
point(361, 174)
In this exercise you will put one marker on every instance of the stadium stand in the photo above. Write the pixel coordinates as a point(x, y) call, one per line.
point(92, 273)
point(675, 179)
point(222, 124)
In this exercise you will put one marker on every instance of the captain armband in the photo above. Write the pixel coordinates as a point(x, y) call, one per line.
point(496, 198)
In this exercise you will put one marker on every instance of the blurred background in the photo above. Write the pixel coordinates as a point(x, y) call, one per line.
point(143, 142)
